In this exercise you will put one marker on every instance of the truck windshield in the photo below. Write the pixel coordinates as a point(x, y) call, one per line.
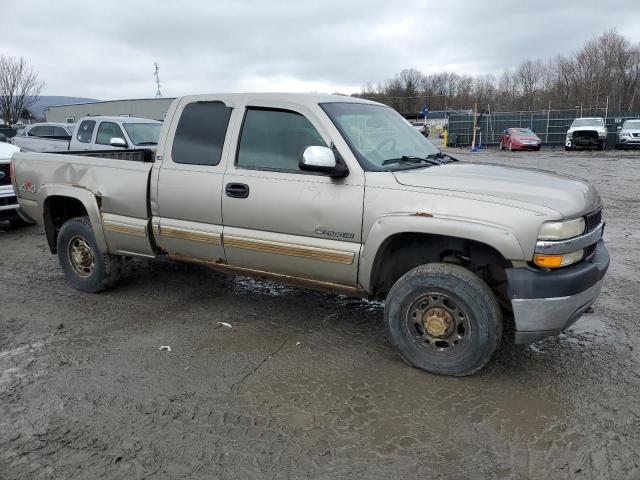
point(143, 133)
point(588, 122)
point(380, 137)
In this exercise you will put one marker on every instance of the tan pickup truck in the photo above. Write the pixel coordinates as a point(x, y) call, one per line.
point(339, 194)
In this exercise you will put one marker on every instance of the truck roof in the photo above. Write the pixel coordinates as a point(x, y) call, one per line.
point(117, 119)
point(299, 98)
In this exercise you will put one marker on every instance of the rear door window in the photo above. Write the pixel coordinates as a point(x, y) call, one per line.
point(85, 131)
point(200, 133)
point(59, 132)
point(38, 131)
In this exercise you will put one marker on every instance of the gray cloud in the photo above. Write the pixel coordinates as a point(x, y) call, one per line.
point(107, 50)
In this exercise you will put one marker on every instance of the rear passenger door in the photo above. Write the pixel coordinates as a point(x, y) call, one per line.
point(187, 221)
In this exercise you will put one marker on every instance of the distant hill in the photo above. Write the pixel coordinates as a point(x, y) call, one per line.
point(48, 100)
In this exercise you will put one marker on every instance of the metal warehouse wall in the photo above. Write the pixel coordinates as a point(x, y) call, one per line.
point(152, 108)
point(550, 125)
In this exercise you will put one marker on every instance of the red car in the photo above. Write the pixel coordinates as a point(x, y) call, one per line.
point(519, 139)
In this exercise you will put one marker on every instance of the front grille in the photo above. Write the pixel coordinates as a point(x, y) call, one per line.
point(589, 251)
point(593, 219)
point(6, 179)
point(6, 201)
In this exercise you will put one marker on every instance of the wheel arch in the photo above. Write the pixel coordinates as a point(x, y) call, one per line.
point(65, 202)
point(395, 245)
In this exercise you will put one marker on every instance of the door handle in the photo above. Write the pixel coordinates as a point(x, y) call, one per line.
point(237, 190)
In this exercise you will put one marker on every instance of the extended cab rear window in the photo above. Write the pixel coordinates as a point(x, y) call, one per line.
point(85, 131)
point(200, 134)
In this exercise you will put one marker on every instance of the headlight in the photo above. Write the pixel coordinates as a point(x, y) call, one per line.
point(555, 261)
point(561, 230)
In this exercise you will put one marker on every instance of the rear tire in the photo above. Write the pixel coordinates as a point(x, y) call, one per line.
point(443, 319)
point(85, 266)
point(601, 145)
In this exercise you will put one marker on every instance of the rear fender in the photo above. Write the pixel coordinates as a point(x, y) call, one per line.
point(89, 200)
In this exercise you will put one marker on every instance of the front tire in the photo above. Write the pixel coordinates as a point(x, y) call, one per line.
point(443, 319)
point(85, 266)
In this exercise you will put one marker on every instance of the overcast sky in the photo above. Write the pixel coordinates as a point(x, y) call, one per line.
point(106, 50)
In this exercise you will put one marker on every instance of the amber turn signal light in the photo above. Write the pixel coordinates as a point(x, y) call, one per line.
point(548, 261)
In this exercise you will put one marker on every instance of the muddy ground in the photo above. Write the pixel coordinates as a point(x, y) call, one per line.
point(305, 384)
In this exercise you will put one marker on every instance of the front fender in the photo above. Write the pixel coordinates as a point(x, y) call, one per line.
point(88, 200)
point(499, 238)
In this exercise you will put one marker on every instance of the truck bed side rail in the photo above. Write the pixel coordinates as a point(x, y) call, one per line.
point(140, 155)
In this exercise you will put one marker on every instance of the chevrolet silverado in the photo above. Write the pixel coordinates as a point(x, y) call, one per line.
point(339, 194)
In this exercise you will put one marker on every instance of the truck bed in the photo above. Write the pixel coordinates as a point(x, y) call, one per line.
point(117, 179)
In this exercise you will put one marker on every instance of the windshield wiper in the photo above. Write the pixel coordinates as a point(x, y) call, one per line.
point(410, 159)
point(442, 156)
point(147, 143)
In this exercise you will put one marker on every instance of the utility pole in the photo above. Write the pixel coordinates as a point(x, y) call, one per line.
point(475, 124)
point(157, 78)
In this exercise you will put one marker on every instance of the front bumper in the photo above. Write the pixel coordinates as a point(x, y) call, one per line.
point(8, 202)
point(547, 302)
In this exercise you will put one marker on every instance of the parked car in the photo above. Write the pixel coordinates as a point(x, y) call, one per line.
point(92, 133)
point(7, 131)
point(422, 128)
point(9, 208)
point(519, 139)
point(588, 133)
point(44, 137)
point(340, 194)
point(112, 133)
point(629, 134)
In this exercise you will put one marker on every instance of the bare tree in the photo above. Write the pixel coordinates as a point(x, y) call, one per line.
point(19, 88)
point(605, 71)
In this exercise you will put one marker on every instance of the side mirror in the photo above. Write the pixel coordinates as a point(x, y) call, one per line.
point(322, 160)
point(118, 142)
point(619, 128)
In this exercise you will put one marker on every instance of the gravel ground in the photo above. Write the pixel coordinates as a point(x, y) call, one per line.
point(305, 385)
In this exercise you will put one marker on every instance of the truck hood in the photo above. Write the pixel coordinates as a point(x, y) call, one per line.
point(570, 196)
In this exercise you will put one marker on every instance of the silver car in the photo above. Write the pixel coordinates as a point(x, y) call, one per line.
point(629, 134)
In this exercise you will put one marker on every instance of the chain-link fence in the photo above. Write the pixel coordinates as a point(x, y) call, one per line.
point(550, 125)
